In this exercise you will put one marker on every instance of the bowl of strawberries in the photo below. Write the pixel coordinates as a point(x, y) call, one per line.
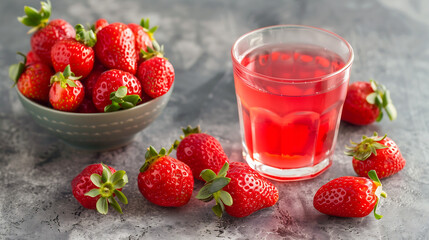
point(93, 88)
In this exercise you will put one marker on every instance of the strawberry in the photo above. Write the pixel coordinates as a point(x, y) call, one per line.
point(350, 196)
point(32, 58)
point(77, 52)
point(66, 91)
point(32, 80)
point(47, 33)
point(365, 103)
point(156, 73)
point(165, 181)
point(200, 151)
point(100, 24)
point(237, 189)
point(97, 185)
point(116, 48)
point(90, 80)
point(87, 106)
point(376, 153)
point(143, 34)
point(116, 89)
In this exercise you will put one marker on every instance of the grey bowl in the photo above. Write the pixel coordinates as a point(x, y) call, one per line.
point(96, 131)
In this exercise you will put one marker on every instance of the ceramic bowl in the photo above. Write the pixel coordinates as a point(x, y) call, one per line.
point(96, 131)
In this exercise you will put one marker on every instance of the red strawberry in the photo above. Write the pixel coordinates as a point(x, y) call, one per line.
point(100, 24)
point(87, 106)
point(97, 185)
point(32, 80)
point(200, 151)
point(91, 79)
point(376, 153)
point(47, 32)
point(66, 91)
point(156, 73)
point(143, 34)
point(239, 190)
point(365, 101)
point(77, 52)
point(116, 89)
point(116, 48)
point(164, 180)
point(32, 58)
point(350, 196)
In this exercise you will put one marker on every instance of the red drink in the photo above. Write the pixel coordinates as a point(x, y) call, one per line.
point(290, 118)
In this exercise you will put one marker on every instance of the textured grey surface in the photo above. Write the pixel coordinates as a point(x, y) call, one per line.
point(390, 39)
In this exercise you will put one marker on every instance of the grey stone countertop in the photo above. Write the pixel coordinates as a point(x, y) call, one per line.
point(390, 39)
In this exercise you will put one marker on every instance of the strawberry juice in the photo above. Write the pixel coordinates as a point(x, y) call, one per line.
point(289, 102)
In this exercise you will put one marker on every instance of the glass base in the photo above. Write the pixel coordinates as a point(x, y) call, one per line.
point(285, 175)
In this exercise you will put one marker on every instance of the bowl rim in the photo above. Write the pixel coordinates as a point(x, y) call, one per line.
point(107, 114)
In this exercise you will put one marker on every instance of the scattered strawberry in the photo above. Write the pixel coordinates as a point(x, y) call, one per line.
point(77, 52)
point(90, 81)
point(350, 196)
point(87, 106)
point(47, 33)
point(32, 80)
point(32, 58)
point(156, 73)
point(164, 180)
point(237, 189)
point(97, 185)
point(376, 153)
point(143, 34)
point(100, 24)
point(116, 48)
point(116, 89)
point(66, 91)
point(365, 101)
point(200, 151)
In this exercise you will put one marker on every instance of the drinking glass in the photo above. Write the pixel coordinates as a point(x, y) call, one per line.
point(290, 83)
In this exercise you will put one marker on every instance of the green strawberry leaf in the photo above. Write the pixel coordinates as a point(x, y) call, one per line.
point(121, 92)
point(379, 192)
point(16, 70)
point(218, 183)
point(223, 170)
point(117, 176)
point(93, 192)
point(102, 205)
point(204, 194)
point(120, 100)
point(225, 197)
point(217, 210)
point(120, 184)
point(96, 179)
point(381, 98)
point(121, 196)
point(115, 204)
point(208, 175)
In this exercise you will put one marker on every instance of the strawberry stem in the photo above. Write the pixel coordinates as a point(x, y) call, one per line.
point(86, 37)
point(379, 192)
point(120, 100)
point(212, 189)
point(36, 19)
point(65, 78)
point(381, 98)
point(108, 185)
point(368, 146)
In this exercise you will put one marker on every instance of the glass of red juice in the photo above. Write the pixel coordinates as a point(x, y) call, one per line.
point(290, 82)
